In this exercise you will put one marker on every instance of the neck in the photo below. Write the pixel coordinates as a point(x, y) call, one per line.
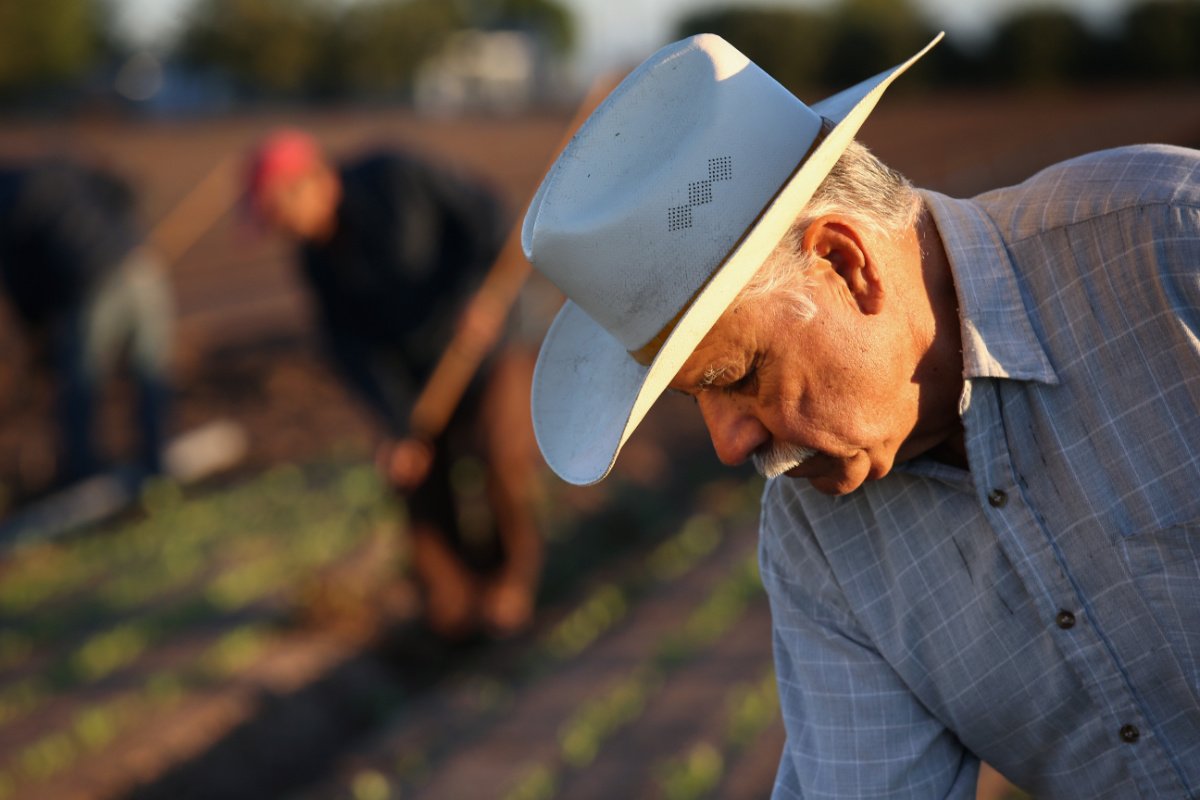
point(939, 283)
point(323, 232)
point(940, 371)
point(326, 199)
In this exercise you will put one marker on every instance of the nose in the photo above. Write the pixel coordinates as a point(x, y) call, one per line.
point(735, 431)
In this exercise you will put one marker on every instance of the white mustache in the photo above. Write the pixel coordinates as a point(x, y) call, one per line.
point(780, 458)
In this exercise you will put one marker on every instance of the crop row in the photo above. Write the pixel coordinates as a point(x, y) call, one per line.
point(82, 616)
point(92, 613)
point(481, 699)
point(598, 721)
point(400, 770)
point(92, 726)
point(179, 537)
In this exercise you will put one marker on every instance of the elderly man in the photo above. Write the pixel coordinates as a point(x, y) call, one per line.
point(994, 405)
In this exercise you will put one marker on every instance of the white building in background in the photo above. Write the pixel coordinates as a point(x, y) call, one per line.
point(492, 71)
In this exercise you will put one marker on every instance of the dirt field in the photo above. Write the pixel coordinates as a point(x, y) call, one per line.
point(246, 351)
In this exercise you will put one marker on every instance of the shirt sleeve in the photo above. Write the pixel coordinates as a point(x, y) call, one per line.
point(854, 730)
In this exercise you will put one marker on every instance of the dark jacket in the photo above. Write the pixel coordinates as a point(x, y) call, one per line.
point(412, 244)
point(63, 228)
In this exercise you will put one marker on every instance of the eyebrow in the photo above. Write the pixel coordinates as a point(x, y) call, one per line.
point(711, 375)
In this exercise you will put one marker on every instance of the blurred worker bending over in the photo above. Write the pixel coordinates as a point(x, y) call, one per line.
point(85, 290)
point(393, 250)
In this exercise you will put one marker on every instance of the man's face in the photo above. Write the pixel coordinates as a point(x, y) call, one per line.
point(300, 206)
point(840, 385)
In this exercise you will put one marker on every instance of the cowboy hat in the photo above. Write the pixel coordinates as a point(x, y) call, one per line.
point(654, 217)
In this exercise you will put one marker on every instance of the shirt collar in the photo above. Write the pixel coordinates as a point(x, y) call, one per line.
point(997, 337)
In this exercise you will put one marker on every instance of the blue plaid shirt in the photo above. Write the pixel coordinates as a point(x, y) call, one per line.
point(1042, 611)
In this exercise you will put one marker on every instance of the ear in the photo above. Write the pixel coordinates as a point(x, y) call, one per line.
point(838, 241)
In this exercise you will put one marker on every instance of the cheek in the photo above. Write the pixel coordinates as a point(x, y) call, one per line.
point(835, 385)
point(875, 379)
point(847, 409)
point(892, 407)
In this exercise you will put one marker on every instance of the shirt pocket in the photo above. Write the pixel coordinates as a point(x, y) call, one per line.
point(1164, 565)
point(1173, 548)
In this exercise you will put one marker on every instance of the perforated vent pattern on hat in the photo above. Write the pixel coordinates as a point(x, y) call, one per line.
point(679, 217)
point(700, 193)
point(720, 169)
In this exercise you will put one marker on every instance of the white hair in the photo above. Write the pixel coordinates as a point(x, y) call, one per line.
point(780, 457)
point(860, 187)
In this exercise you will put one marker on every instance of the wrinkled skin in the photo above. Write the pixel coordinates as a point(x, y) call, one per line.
point(874, 378)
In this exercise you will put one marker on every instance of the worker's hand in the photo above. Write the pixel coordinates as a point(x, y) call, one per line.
point(405, 463)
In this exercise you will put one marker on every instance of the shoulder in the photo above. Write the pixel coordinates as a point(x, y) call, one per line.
point(394, 164)
point(1096, 185)
point(377, 187)
point(376, 167)
point(790, 534)
point(403, 172)
point(816, 556)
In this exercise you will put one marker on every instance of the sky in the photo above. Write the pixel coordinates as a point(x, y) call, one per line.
point(615, 33)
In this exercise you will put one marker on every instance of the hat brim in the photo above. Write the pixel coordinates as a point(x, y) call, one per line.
point(589, 394)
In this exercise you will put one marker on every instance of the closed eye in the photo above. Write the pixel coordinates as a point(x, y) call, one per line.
point(747, 384)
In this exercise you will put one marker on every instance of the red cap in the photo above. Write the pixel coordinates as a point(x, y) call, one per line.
point(282, 155)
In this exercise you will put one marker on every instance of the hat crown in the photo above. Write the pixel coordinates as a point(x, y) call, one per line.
point(662, 182)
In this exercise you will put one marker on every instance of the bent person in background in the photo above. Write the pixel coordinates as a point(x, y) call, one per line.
point(393, 249)
point(980, 420)
point(86, 290)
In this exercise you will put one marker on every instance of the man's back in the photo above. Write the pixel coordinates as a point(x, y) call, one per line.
point(63, 226)
point(412, 243)
point(1093, 185)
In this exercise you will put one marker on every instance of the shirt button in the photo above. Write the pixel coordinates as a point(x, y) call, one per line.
point(1130, 733)
point(997, 498)
point(1065, 620)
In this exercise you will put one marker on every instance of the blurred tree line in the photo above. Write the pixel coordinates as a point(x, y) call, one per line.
point(49, 42)
point(1157, 40)
point(313, 48)
point(292, 49)
point(306, 49)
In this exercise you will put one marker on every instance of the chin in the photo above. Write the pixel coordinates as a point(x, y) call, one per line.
point(831, 485)
point(833, 488)
point(840, 477)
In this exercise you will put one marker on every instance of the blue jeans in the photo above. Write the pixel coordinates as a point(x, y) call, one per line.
point(131, 312)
